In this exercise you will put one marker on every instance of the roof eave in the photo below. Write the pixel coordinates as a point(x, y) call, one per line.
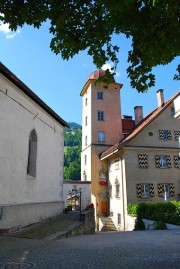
point(94, 80)
point(16, 81)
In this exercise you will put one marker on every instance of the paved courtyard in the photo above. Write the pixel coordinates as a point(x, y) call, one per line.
point(111, 250)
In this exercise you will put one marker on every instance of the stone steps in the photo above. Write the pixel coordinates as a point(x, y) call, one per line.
point(108, 224)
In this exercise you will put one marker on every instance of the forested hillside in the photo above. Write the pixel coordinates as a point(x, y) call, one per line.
point(72, 152)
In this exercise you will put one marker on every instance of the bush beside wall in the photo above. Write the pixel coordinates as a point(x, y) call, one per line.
point(162, 212)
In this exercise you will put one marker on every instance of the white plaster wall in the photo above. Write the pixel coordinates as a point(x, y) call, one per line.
point(177, 107)
point(19, 115)
point(116, 204)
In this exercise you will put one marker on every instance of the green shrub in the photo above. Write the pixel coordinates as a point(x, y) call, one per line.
point(163, 212)
point(132, 209)
point(139, 224)
point(159, 225)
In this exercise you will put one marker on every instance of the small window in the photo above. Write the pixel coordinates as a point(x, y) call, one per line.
point(86, 102)
point(165, 135)
point(172, 111)
point(163, 161)
point(101, 136)
point(100, 115)
point(84, 176)
point(86, 120)
point(117, 189)
point(116, 164)
point(166, 192)
point(85, 159)
point(110, 190)
point(100, 95)
point(145, 190)
point(179, 161)
point(119, 218)
point(32, 154)
point(86, 140)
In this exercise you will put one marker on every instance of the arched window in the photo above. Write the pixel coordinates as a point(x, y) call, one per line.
point(32, 155)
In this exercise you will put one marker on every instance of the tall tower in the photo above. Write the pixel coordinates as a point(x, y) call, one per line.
point(101, 128)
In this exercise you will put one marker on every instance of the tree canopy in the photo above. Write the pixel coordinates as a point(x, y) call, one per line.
point(77, 25)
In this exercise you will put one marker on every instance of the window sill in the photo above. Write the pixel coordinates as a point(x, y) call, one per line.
point(30, 177)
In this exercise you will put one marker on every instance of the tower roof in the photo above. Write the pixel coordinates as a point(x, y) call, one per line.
point(98, 74)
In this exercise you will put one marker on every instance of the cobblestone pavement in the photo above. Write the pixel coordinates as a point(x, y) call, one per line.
point(111, 250)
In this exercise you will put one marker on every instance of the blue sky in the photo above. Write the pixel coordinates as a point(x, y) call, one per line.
point(58, 82)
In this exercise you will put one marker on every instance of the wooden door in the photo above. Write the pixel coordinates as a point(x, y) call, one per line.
point(104, 208)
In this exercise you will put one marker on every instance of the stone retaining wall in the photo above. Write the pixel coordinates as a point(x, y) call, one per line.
point(85, 226)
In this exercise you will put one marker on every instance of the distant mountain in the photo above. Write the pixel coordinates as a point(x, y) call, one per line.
point(74, 125)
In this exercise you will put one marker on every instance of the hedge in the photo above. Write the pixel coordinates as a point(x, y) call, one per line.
point(163, 212)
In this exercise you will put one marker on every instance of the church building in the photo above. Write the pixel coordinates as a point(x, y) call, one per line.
point(31, 155)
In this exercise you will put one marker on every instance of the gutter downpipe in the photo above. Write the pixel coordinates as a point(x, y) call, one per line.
point(123, 191)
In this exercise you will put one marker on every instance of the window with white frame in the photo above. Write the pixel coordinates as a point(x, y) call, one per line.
point(86, 102)
point(145, 191)
point(166, 190)
point(100, 115)
point(86, 140)
point(86, 120)
point(101, 136)
point(100, 95)
point(163, 161)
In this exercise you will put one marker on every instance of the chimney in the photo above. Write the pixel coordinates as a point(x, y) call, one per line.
point(138, 113)
point(160, 98)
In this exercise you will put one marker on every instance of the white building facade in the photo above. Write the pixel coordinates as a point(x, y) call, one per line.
point(31, 155)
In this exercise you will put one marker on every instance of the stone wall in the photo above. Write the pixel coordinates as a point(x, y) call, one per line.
point(85, 226)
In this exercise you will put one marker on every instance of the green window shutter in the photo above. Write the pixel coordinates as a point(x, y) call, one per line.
point(138, 190)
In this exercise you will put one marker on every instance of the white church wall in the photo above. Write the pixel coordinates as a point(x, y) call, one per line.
point(19, 115)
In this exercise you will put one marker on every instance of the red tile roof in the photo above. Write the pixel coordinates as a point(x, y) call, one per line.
point(98, 74)
point(138, 128)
